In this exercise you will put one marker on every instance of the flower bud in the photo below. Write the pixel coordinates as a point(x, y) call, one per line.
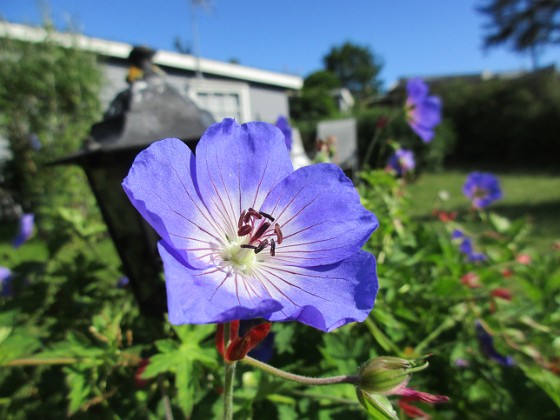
point(382, 375)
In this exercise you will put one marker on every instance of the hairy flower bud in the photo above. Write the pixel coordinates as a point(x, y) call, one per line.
point(383, 375)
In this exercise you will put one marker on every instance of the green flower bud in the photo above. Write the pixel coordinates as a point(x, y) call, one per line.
point(382, 375)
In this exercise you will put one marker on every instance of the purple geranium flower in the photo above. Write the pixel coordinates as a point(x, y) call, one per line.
point(244, 237)
point(402, 161)
point(466, 247)
point(486, 342)
point(482, 189)
point(26, 225)
point(5, 282)
point(423, 112)
point(123, 282)
point(284, 125)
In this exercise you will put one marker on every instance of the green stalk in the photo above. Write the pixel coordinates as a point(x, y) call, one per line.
point(306, 380)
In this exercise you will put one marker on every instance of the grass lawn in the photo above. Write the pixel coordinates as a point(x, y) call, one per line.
point(536, 197)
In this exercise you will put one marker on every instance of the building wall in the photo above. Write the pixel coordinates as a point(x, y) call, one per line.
point(268, 104)
point(222, 97)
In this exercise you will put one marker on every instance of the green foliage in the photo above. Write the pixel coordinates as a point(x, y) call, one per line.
point(74, 344)
point(48, 101)
point(524, 25)
point(511, 122)
point(356, 67)
point(315, 100)
point(428, 156)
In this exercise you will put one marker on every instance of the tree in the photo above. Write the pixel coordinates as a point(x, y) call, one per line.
point(315, 100)
point(526, 25)
point(356, 67)
point(49, 97)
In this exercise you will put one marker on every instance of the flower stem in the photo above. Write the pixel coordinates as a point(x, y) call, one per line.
point(228, 390)
point(306, 380)
point(230, 377)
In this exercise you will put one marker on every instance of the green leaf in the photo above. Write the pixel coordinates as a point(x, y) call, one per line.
point(79, 389)
point(185, 385)
point(545, 379)
point(377, 406)
point(500, 223)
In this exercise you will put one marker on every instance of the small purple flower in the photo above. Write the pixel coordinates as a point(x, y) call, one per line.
point(482, 189)
point(5, 282)
point(402, 161)
point(35, 142)
point(123, 282)
point(242, 236)
point(466, 247)
point(423, 112)
point(26, 225)
point(486, 342)
point(284, 125)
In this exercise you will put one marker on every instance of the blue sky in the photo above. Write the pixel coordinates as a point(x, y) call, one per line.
point(412, 37)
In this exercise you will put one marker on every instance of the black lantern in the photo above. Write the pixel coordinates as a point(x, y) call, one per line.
point(149, 110)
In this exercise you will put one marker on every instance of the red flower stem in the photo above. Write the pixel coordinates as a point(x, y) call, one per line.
point(306, 380)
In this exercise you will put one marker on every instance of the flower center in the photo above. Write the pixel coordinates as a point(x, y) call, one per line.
point(256, 231)
point(480, 192)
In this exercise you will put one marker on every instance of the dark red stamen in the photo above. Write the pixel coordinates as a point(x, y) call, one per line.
point(244, 230)
point(241, 220)
point(260, 231)
point(278, 233)
point(268, 216)
point(272, 247)
point(261, 246)
point(251, 212)
point(247, 246)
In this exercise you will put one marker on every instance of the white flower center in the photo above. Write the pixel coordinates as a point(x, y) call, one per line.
point(240, 259)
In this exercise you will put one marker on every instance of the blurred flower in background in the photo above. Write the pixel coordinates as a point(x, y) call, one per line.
point(402, 161)
point(486, 342)
point(26, 225)
point(284, 125)
point(482, 189)
point(5, 282)
point(423, 112)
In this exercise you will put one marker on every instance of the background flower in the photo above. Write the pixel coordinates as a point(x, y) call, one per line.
point(284, 125)
point(486, 342)
point(423, 112)
point(482, 189)
point(244, 237)
point(5, 282)
point(26, 225)
point(402, 161)
point(466, 246)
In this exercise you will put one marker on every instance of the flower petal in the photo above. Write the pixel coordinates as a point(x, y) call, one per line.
point(196, 297)
point(324, 297)
point(26, 225)
point(237, 165)
point(320, 215)
point(160, 186)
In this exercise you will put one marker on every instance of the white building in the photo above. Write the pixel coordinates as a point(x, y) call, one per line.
point(224, 89)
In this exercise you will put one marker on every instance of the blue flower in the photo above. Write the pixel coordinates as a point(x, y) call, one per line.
point(466, 247)
point(482, 189)
point(26, 225)
point(5, 282)
point(423, 112)
point(402, 161)
point(486, 342)
point(284, 125)
point(123, 282)
point(243, 236)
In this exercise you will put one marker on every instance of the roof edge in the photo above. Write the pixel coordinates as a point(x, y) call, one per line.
point(163, 58)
